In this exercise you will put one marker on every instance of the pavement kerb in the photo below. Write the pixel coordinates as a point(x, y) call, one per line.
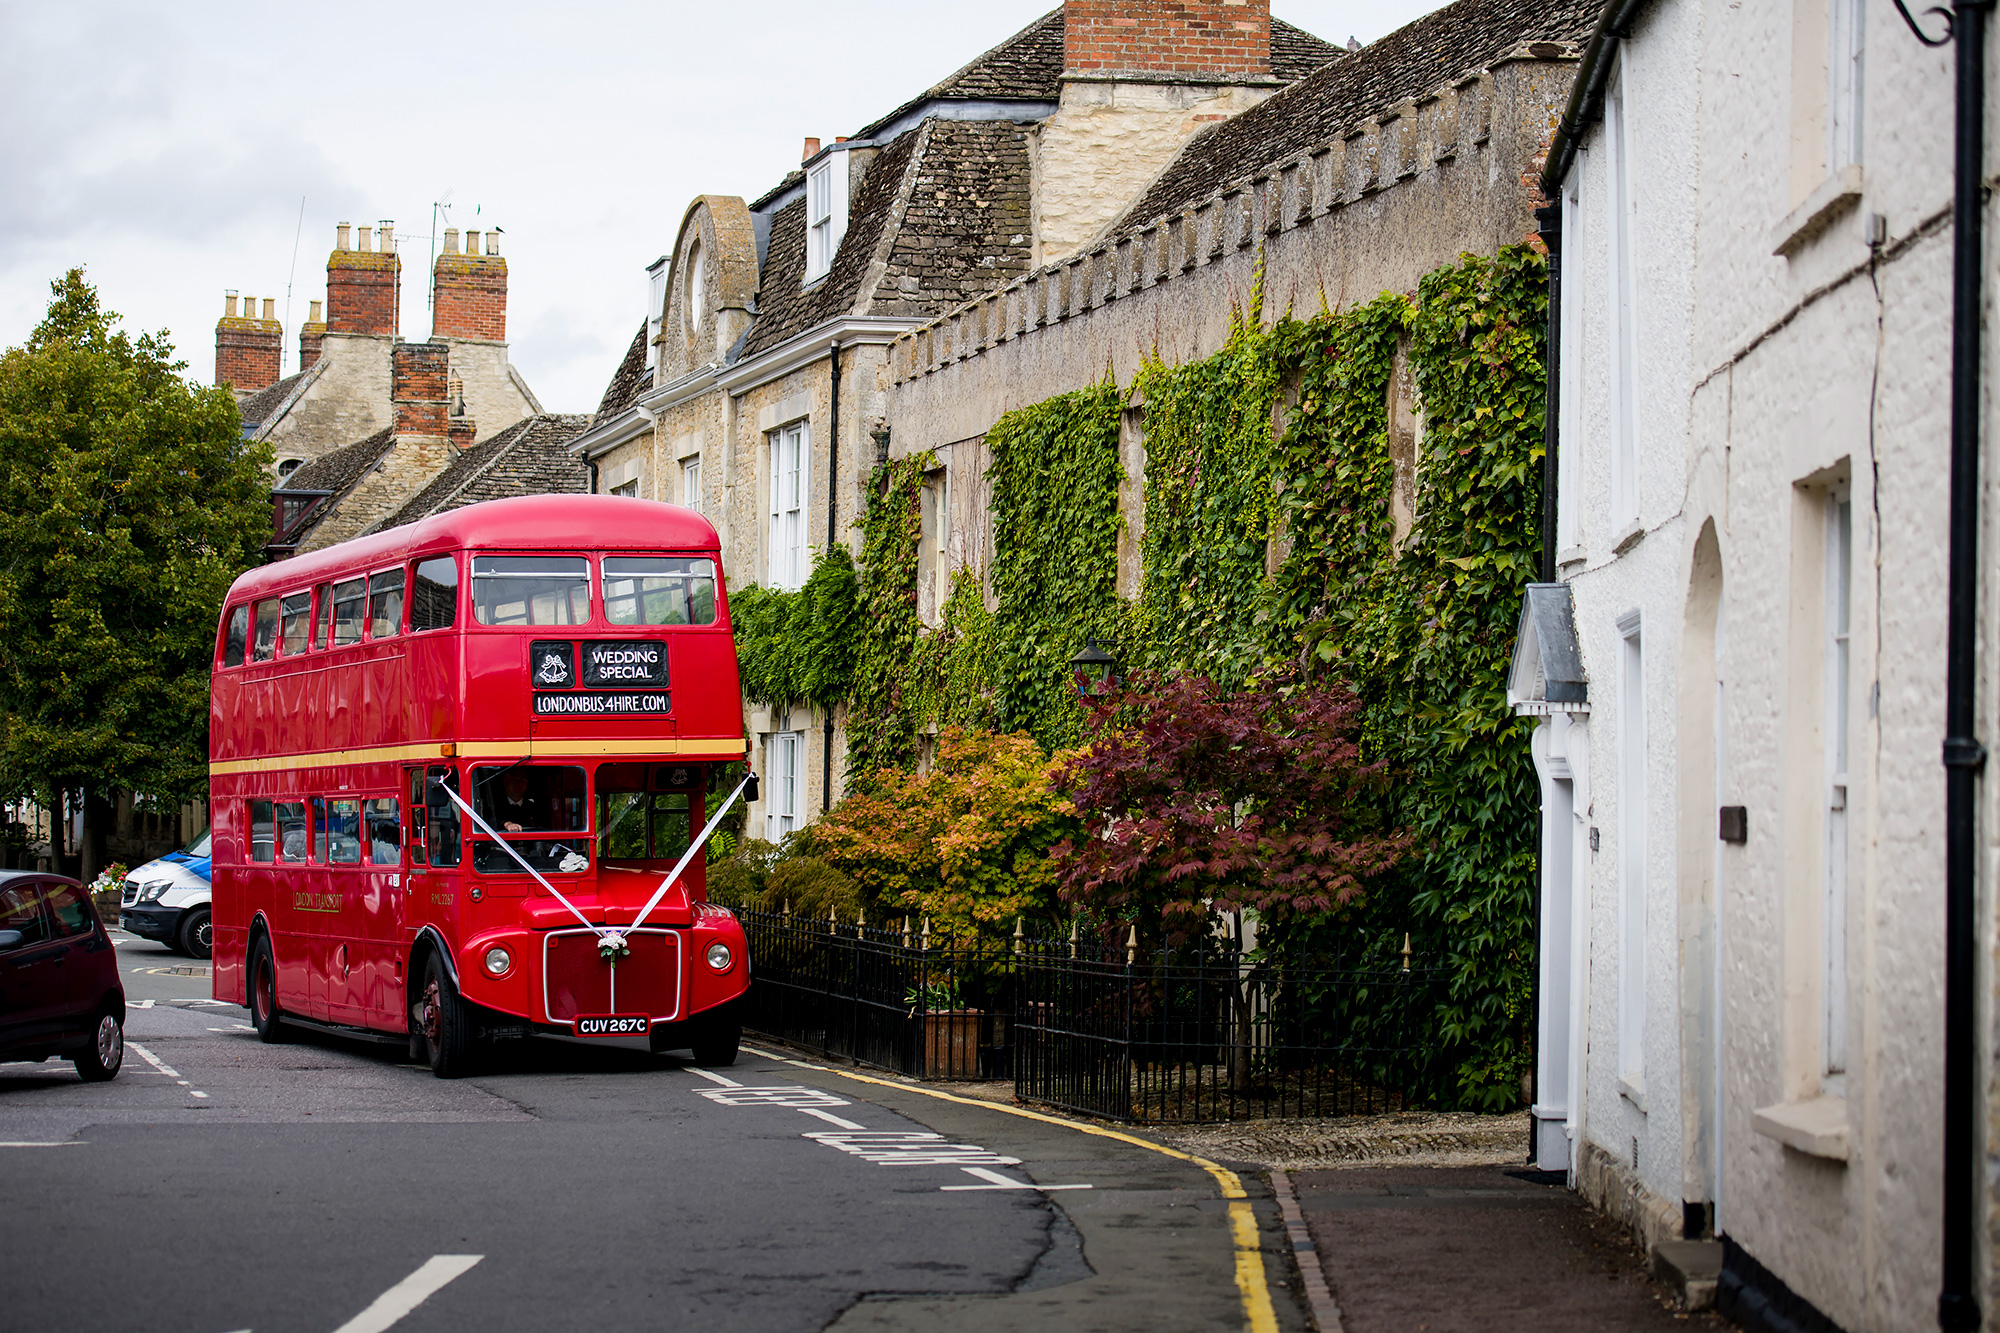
point(1258, 1314)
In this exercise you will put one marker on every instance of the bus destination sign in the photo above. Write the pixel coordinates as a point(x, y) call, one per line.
point(604, 703)
point(625, 662)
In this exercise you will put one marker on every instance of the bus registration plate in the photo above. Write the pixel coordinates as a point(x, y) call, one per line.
point(612, 1025)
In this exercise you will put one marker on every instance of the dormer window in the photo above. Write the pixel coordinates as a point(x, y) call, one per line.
point(826, 213)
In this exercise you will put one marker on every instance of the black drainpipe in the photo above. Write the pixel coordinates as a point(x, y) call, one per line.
point(832, 494)
point(1964, 756)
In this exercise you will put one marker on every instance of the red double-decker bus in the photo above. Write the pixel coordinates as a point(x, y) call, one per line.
point(453, 769)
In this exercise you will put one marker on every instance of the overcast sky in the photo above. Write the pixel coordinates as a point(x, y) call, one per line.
point(167, 147)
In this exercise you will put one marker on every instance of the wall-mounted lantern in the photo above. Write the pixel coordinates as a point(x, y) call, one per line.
point(1095, 670)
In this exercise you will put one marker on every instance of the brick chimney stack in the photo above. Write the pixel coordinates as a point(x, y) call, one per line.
point(1194, 41)
point(247, 349)
point(362, 283)
point(420, 386)
point(470, 289)
point(310, 333)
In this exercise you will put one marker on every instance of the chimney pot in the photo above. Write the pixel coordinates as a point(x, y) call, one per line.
point(342, 243)
point(315, 317)
point(812, 146)
point(451, 240)
point(493, 241)
point(388, 241)
point(471, 241)
point(229, 305)
point(270, 307)
point(840, 138)
point(363, 238)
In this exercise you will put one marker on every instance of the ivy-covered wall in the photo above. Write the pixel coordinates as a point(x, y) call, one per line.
point(1269, 537)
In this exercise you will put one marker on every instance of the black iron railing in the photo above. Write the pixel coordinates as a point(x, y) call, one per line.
point(1198, 1034)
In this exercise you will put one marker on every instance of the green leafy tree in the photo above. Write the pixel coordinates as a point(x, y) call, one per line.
point(129, 501)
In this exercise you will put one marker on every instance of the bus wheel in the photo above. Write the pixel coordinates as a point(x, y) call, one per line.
point(264, 1015)
point(197, 934)
point(447, 1024)
point(717, 1038)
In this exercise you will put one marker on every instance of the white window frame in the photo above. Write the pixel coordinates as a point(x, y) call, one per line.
point(1846, 46)
point(628, 489)
point(1569, 407)
point(1623, 359)
point(790, 456)
point(1631, 851)
point(784, 761)
point(691, 482)
point(1838, 687)
point(826, 213)
point(656, 309)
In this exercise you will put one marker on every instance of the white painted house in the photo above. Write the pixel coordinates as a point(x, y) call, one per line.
point(1743, 933)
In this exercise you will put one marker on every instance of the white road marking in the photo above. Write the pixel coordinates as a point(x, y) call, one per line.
point(138, 1004)
point(164, 1068)
point(235, 1027)
point(829, 1117)
point(789, 1094)
point(715, 1078)
point(411, 1292)
point(32, 1143)
point(890, 1147)
point(996, 1181)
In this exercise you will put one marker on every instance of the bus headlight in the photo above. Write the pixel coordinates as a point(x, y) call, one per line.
point(719, 957)
point(498, 961)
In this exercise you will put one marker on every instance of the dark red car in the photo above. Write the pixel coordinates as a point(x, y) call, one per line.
point(59, 988)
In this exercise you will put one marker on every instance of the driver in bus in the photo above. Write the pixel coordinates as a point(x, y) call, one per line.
point(518, 808)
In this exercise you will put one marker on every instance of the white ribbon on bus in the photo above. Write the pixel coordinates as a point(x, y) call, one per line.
point(607, 935)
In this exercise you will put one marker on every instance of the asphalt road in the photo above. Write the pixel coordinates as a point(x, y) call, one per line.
point(327, 1186)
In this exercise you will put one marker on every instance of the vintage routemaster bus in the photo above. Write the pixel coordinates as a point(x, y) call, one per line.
point(453, 767)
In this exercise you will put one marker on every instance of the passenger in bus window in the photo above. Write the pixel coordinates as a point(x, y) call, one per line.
point(434, 596)
point(385, 604)
point(350, 600)
point(265, 643)
point(343, 832)
point(236, 638)
point(385, 832)
point(263, 833)
point(291, 817)
point(322, 615)
point(295, 622)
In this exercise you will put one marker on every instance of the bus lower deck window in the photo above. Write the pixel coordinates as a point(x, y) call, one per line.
point(385, 831)
point(385, 604)
point(434, 595)
point(530, 590)
point(564, 856)
point(264, 644)
point(263, 833)
point(295, 622)
point(291, 821)
point(442, 817)
point(350, 599)
point(343, 832)
point(236, 638)
point(658, 590)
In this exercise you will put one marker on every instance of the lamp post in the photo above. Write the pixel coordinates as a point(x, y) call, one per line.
point(1096, 671)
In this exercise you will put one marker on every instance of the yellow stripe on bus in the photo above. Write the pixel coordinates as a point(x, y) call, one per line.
point(385, 754)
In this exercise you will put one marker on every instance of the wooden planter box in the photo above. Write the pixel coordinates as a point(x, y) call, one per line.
point(951, 1043)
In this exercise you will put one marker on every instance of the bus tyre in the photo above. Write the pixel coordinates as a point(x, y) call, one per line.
point(717, 1038)
point(264, 1015)
point(197, 936)
point(447, 1024)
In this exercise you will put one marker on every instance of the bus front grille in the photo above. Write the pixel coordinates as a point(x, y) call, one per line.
point(577, 980)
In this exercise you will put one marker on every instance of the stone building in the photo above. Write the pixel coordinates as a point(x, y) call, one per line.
point(1745, 871)
point(755, 392)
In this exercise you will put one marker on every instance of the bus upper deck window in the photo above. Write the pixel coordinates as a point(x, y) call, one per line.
point(264, 643)
point(350, 599)
point(385, 604)
point(295, 621)
point(658, 590)
point(236, 638)
point(323, 616)
point(434, 595)
point(530, 590)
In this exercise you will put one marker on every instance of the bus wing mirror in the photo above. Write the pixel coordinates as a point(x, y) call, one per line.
point(750, 789)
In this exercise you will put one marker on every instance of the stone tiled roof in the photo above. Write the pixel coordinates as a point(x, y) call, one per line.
point(966, 227)
point(1028, 67)
point(785, 305)
point(254, 408)
point(343, 467)
point(1413, 60)
point(631, 379)
point(531, 457)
